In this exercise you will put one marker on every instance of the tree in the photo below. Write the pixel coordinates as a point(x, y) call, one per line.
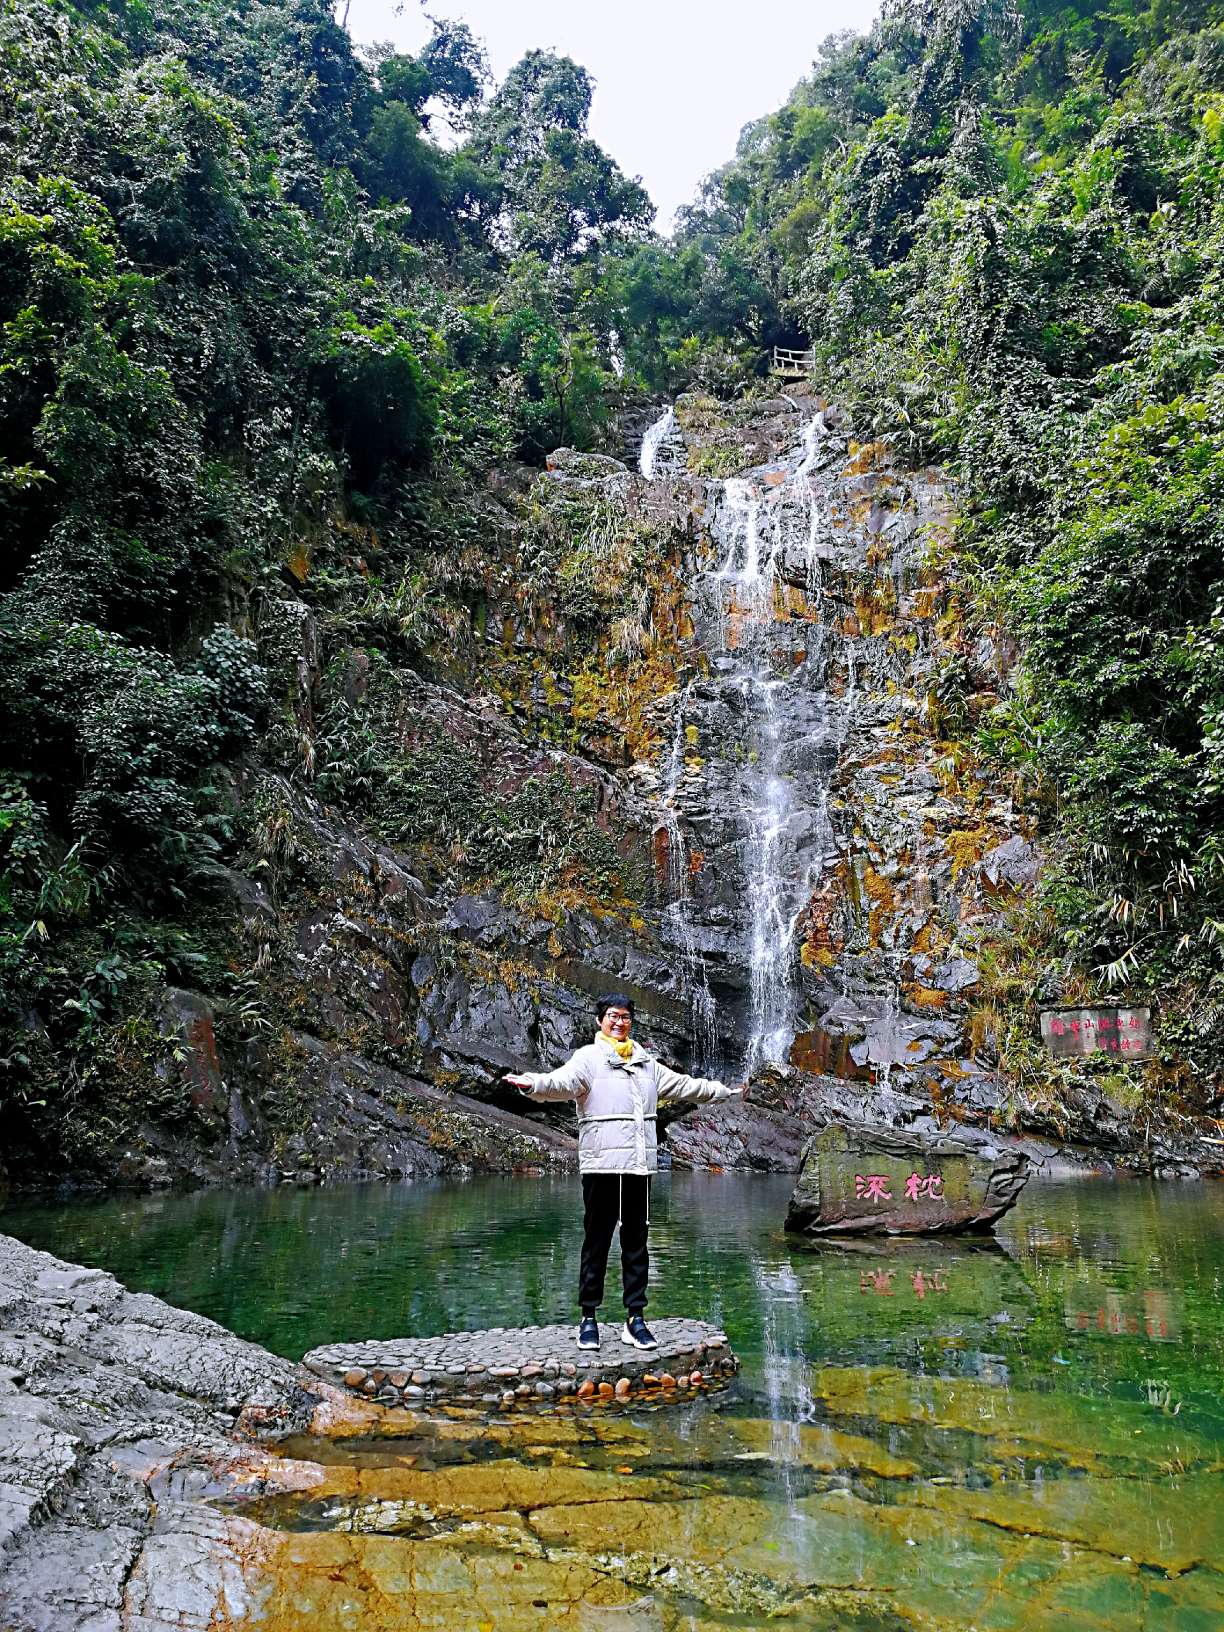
point(561, 195)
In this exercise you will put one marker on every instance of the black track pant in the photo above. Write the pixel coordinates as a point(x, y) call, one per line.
point(603, 1194)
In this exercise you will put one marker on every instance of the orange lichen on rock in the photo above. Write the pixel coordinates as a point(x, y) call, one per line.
point(981, 1024)
point(966, 847)
point(874, 614)
point(821, 939)
point(866, 457)
point(823, 1055)
point(932, 937)
point(882, 902)
point(924, 997)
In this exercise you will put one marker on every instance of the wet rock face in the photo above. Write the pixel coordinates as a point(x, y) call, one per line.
point(188, 1021)
point(808, 875)
point(833, 922)
point(840, 873)
point(859, 1182)
point(350, 1118)
point(102, 1393)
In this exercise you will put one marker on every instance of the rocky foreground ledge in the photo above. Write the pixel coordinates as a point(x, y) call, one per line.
point(119, 1417)
point(132, 1434)
point(508, 1366)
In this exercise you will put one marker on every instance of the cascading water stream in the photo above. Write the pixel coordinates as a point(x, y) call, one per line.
point(676, 912)
point(767, 532)
point(658, 446)
point(769, 961)
point(768, 674)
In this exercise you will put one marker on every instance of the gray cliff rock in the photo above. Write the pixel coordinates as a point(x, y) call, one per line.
point(378, 983)
point(119, 1415)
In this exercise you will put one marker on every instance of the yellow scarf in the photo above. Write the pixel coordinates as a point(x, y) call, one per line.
point(625, 1049)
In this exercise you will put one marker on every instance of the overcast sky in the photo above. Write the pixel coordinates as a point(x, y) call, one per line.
point(676, 80)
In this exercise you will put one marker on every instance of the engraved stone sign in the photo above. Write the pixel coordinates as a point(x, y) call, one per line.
point(1068, 1033)
point(881, 1181)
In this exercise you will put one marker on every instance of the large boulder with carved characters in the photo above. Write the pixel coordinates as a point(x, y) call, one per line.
point(880, 1181)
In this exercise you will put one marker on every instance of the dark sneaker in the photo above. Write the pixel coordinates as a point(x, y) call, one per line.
point(588, 1333)
point(639, 1334)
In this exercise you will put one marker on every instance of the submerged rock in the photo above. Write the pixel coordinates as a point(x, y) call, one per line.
point(127, 1501)
point(882, 1182)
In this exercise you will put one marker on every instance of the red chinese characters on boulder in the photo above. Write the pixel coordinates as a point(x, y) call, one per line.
point(886, 1181)
point(872, 1187)
point(918, 1188)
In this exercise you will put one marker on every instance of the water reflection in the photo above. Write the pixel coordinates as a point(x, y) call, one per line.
point(1024, 1434)
point(785, 1371)
point(1090, 1285)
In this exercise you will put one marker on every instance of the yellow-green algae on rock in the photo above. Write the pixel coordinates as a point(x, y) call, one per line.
point(1073, 1428)
point(1173, 1524)
point(609, 1521)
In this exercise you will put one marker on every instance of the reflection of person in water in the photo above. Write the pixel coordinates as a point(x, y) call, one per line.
point(617, 1087)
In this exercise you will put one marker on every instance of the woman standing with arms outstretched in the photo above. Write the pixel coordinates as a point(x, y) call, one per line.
point(617, 1087)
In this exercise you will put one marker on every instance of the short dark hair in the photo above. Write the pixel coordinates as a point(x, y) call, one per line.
point(615, 1000)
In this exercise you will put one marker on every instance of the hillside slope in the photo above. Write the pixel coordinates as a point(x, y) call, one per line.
point(347, 752)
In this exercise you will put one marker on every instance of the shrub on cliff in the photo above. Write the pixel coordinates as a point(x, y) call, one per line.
point(1002, 232)
point(249, 304)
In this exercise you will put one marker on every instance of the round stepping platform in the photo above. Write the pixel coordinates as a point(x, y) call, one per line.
point(506, 1365)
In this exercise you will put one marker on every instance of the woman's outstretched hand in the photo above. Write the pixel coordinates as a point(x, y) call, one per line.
point(741, 1088)
point(517, 1082)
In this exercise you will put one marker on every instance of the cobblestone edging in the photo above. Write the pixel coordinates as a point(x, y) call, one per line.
point(511, 1365)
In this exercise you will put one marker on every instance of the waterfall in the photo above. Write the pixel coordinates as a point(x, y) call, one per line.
point(770, 950)
point(769, 536)
point(676, 912)
point(768, 651)
point(658, 450)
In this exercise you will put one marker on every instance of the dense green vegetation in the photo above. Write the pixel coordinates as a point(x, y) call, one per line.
point(1002, 234)
point(248, 299)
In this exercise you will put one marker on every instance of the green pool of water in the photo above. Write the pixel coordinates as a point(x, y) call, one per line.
point(924, 1435)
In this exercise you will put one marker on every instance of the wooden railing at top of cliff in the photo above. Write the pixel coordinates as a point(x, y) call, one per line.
point(792, 364)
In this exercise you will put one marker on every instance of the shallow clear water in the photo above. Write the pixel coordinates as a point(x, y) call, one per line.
point(923, 1435)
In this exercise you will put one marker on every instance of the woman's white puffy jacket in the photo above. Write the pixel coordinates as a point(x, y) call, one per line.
point(616, 1101)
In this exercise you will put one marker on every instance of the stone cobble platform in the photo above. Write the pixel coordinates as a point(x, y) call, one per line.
point(515, 1365)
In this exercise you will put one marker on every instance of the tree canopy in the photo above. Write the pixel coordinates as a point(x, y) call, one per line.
point(1001, 230)
point(248, 294)
point(244, 291)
